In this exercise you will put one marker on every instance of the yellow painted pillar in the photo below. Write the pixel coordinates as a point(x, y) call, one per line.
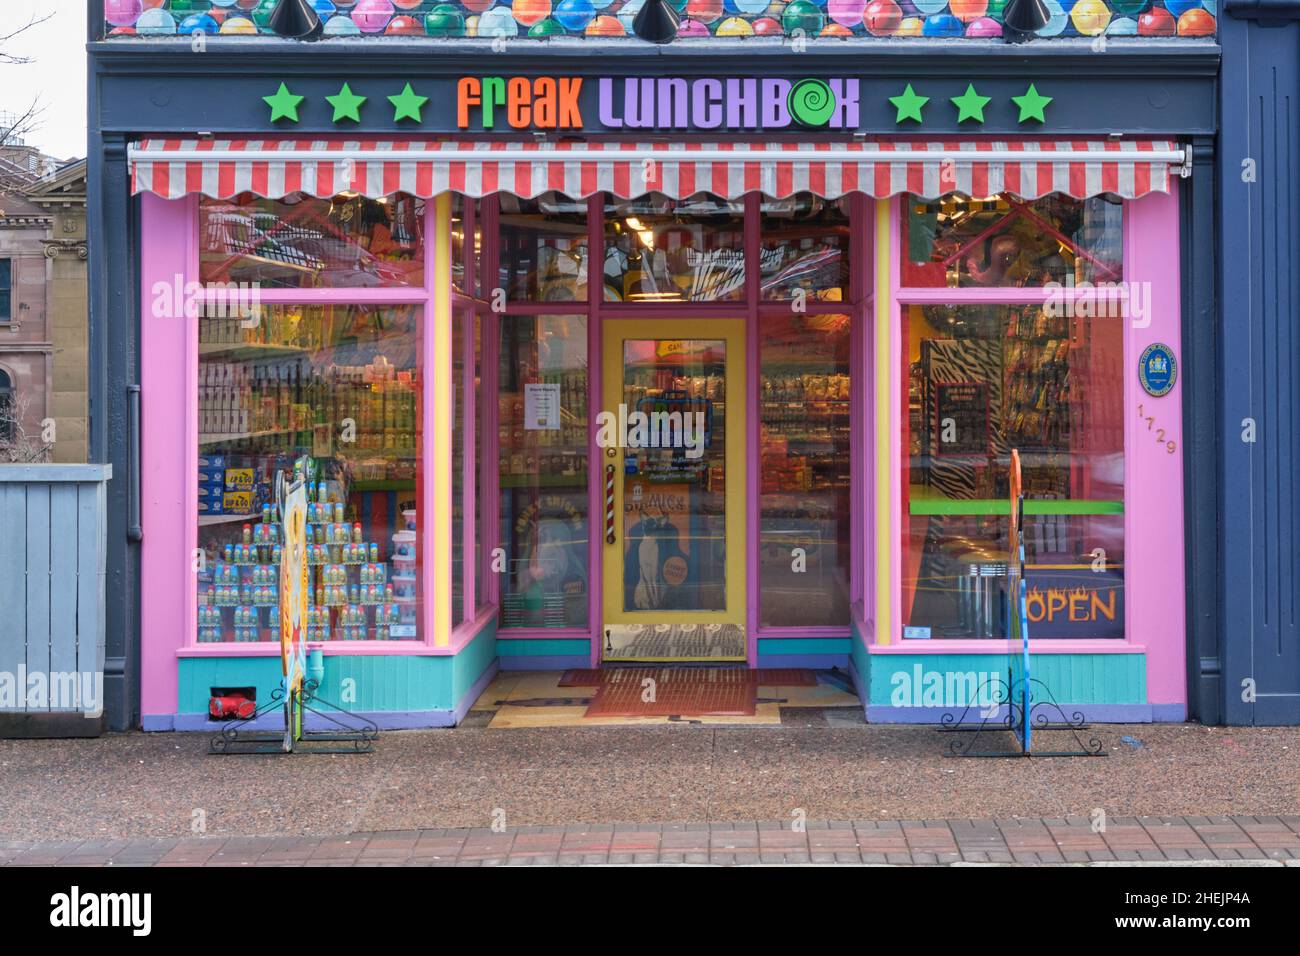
point(884, 316)
point(440, 421)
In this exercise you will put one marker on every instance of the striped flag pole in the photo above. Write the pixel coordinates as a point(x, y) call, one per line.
point(609, 504)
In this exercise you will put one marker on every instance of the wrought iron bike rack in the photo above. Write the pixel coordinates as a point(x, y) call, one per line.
point(1028, 700)
point(349, 734)
point(1011, 694)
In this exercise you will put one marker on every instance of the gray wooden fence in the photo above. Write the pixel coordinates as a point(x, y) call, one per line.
point(52, 558)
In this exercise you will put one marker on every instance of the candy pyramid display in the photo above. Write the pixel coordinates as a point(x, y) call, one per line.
point(360, 590)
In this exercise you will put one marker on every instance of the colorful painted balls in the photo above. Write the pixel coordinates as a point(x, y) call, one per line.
point(705, 11)
point(574, 15)
point(445, 20)
point(371, 16)
point(1196, 23)
point(497, 22)
point(692, 29)
point(1129, 7)
point(882, 18)
point(1157, 22)
point(767, 27)
point(942, 25)
point(529, 12)
point(910, 27)
point(404, 26)
point(967, 11)
point(546, 28)
point(930, 7)
point(1090, 17)
point(243, 25)
point(198, 23)
point(803, 17)
point(1177, 8)
point(156, 23)
point(605, 26)
point(846, 13)
point(983, 28)
point(734, 27)
point(122, 13)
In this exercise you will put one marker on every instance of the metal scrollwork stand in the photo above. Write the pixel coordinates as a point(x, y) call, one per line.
point(1010, 694)
point(347, 733)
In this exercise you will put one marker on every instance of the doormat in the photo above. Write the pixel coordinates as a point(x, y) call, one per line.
point(723, 692)
point(769, 676)
point(674, 642)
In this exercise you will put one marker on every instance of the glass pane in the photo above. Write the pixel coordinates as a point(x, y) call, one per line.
point(984, 380)
point(667, 250)
point(480, 573)
point(543, 242)
point(542, 441)
point(804, 471)
point(340, 384)
point(458, 242)
point(805, 248)
point(1006, 241)
point(674, 475)
point(459, 320)
point(301, 242)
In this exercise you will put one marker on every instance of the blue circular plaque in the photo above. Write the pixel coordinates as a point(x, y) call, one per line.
point(1158, 369)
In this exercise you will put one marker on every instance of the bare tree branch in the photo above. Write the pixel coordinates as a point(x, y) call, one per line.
point(7, 56)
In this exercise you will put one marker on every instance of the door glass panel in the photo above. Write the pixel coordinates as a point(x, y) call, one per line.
point(673, 420)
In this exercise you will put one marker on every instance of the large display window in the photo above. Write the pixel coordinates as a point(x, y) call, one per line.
point(987, 373)
point(312, 347)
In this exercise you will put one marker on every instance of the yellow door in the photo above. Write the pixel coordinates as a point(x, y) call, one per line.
point(672, 440)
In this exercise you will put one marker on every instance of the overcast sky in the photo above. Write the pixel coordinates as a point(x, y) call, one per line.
point(56, 75)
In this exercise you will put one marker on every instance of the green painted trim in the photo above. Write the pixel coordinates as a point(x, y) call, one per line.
point(803, 645)
point(543, 647)
point(1000, 506)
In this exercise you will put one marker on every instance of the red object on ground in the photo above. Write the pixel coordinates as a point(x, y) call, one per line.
point(232, 705)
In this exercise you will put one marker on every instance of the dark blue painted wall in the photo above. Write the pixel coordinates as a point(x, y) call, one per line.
point(1259, 188)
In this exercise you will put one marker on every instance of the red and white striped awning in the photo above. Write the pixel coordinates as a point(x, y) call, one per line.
point(1029, 168)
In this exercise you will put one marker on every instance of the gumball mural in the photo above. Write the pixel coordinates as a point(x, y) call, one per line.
point(729, 20)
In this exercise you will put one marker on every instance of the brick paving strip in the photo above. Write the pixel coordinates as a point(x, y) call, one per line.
point(1240, 841)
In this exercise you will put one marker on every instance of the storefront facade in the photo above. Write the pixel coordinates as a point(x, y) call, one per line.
point(609, 353)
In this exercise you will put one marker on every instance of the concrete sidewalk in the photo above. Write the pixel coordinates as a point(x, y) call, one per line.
point(165, 786)
point(1238, 841)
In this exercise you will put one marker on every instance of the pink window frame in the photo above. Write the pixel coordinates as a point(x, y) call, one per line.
point(749, 308)
point(1154, 612)
point(169, 370)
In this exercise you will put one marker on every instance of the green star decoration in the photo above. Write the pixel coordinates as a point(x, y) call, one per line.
point(284, 105)
point(407, 105)
point(970, 105)
point(908, 104)
point(347, 105)
point(1032, 105)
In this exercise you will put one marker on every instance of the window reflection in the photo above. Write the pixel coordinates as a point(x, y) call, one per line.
point(659, 249)
point(1003, 240)
point(805, 248)
point(984, 380)
point(349, 241)
point(543, 244)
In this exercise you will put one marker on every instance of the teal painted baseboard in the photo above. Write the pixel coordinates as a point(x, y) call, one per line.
point(908, 680)
point(374, 683)
point(543, 647)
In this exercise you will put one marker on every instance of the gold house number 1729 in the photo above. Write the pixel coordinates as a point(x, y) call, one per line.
point(1170, 445)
